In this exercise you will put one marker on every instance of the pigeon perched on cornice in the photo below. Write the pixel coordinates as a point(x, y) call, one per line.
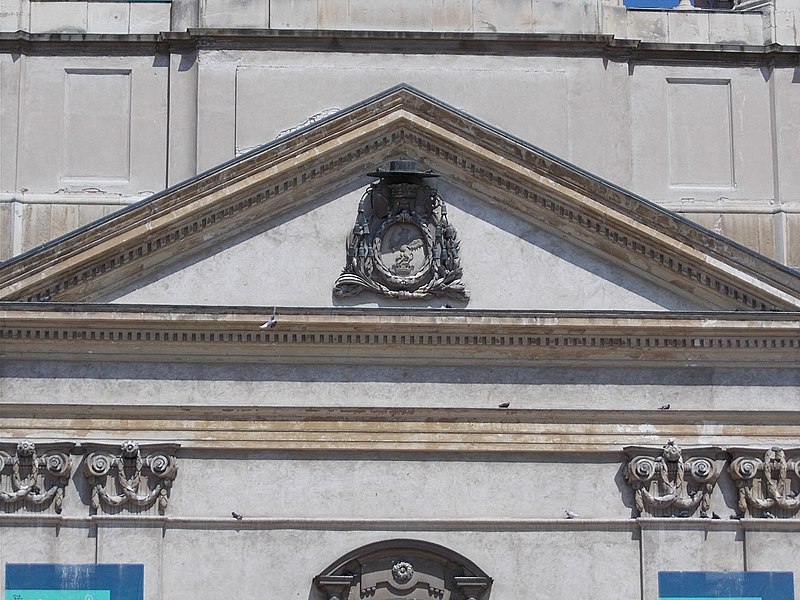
point(271, 322)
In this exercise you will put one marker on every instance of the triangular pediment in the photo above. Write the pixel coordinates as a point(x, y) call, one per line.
point(547, 232)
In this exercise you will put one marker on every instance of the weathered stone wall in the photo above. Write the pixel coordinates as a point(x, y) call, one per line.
point(709, 131)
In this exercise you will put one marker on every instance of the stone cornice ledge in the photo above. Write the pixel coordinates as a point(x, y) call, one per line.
point(419, 524)
point(350, 40)
point(444, 336)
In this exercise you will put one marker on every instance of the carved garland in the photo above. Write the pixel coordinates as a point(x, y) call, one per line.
point(140, 480)
point(36, 480)
point(668, 485)
point(765, 482)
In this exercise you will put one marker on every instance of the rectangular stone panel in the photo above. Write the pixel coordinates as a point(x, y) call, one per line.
point(293, 14)
point(108, 17)
point(793, 241)
point(6, 230)
point(700, 133)
point(719, 549)
point(149, 17)
point(234, 13)
point(97, 123)
point(58, 17)
point(774, 548)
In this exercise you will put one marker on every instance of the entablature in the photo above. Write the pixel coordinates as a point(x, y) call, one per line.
point(387, 336)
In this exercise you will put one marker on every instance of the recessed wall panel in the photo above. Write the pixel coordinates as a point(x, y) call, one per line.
point(700, 133)
point(97, 124)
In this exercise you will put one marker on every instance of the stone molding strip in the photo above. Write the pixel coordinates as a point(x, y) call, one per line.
point(553, 44)
point(443, 337)
point(386, 430)
point(538, 524)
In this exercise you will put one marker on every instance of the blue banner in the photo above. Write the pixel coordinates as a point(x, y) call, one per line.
point(41, 581)
point(701, 585)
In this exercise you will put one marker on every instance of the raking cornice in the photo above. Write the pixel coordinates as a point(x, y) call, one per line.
point(289, 172)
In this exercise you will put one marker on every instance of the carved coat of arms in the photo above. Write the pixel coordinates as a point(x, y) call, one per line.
point(402, 245)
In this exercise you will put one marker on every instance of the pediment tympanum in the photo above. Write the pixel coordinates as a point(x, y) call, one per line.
point(287, 179)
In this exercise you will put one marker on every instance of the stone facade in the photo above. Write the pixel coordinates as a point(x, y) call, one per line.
point(545, 386)
point(694, 110)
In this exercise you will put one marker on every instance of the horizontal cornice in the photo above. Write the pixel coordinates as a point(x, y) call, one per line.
point(478, 431)
point(382, 336)
point(419, 42)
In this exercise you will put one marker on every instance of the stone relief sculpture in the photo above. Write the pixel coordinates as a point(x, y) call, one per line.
point(397, 569)
point(768, 483)
point(123, 476)
point(34, 477)
point(667, 483)
point(402, 245)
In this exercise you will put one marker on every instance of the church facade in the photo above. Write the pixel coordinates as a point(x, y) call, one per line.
point(451, 300)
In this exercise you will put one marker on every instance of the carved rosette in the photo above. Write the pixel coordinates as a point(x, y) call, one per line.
point(672, 482)
point(130, 476)
point(402, 244)
point(768, 481)
point(34, 477)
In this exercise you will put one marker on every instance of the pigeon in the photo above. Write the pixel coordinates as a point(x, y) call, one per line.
point(715, 516)
point(768, 515)
point(703, 514)
point(571, 515)
point(504, 405)
point(236, 515)
point(664, 407)
point(271, 322)
point(684, 514)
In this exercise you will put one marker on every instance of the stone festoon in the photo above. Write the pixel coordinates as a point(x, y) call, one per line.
point(37, 476)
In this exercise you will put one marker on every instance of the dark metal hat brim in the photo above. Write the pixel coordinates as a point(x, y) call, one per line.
point(402, 174)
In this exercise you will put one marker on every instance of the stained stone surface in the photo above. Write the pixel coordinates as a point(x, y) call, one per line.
point(320, 454)
point(507, 265)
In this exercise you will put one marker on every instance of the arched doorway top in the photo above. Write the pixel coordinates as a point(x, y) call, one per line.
point(392, 569)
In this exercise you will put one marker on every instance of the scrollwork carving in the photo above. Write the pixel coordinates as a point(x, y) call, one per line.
point(35, 477)
point(402, 244)
point(130, 476)
point(768, 483)
point(667, 483)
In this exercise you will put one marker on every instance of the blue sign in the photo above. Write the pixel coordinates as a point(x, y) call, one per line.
point(37, 581)
point(702, 585)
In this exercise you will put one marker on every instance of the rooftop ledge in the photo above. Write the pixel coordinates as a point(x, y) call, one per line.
point(618, 45)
